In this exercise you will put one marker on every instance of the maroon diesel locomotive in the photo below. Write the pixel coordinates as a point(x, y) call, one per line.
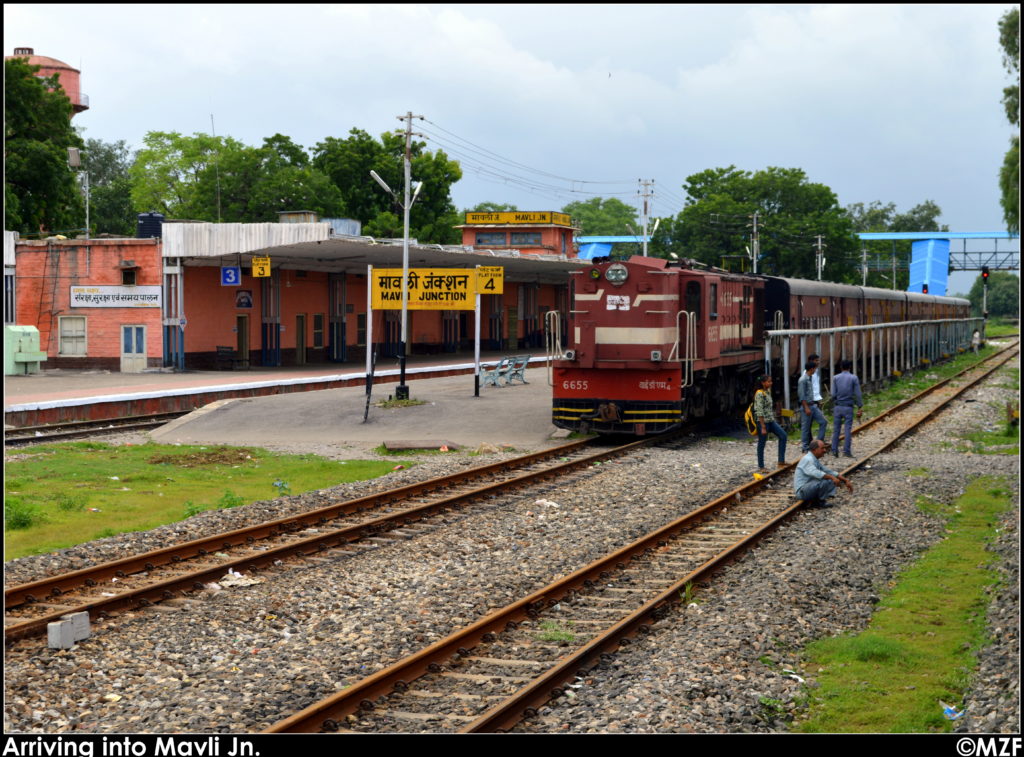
point(651, 343)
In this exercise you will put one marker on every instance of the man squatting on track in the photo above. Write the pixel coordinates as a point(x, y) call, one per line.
point(813, 482)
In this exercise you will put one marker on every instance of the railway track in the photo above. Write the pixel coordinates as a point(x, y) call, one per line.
point(174, 572)
point(19, 437)
point(501, 669)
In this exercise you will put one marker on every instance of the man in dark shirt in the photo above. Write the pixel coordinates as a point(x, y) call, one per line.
point(845, 395)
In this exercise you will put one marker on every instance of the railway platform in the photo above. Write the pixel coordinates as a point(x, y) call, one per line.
point(63, 395)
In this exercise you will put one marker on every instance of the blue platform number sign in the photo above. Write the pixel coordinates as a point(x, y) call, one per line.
point(230, 276)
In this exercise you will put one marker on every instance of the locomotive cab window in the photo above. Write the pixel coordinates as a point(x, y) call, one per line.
point(713, 304)
point(693, 298)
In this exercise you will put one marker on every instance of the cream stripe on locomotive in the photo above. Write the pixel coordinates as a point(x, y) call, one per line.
point(655, 298)
point(620, 335)
point(590, 297)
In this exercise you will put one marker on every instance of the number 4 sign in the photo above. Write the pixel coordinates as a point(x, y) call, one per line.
point(490, 279)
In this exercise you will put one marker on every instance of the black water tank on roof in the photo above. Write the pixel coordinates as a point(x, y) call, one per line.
point(150, 225)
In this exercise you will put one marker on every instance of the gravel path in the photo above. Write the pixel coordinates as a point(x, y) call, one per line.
point(250, 655)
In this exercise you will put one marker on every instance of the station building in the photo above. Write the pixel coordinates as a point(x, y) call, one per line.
point(188, 297)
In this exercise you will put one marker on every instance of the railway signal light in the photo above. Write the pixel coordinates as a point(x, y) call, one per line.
point(924, 289)
point(984, 273)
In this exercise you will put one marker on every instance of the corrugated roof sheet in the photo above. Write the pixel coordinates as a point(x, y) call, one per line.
point(210, 240)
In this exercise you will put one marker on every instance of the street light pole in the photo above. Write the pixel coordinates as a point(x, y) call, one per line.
point(402, 391)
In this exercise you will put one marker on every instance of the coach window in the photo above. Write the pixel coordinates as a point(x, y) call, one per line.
point(490, 237)
point(713, 314)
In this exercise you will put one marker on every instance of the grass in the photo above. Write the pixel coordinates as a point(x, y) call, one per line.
point(554, 630)
point(920, 647)
point(999, 327)
point(389, 403)
point(59, 495)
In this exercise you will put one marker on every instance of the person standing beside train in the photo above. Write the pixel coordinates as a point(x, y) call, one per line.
point(845, 394)
point(811, 407)
point(765, 419)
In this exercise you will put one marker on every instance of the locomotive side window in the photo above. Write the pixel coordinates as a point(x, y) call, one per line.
point(693, 298)
point(745, 309)
point(713, 305)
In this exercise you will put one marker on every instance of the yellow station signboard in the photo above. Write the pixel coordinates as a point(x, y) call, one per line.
point(519, 216)
point(429, 289)
point(490, 279)
point(260, 267)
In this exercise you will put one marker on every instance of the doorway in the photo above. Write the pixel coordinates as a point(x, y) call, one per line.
point(133, 349)
point(242, 340)
point(300, 339)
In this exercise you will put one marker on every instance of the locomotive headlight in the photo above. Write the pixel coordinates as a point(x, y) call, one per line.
point(617, 274)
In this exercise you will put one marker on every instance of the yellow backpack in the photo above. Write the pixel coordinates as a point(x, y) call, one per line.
point(748, 417)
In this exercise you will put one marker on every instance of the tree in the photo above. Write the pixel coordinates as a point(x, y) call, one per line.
point(602, 217)
point(166, 172)
point(1003, 294)
point(220, 179)
point(110, 201)
point(40, 191)
point(492, 207)
point(716, 224)
point(348, 162)
point(1009, 174)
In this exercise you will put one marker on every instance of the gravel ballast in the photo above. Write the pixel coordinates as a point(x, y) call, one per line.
point(247, 656)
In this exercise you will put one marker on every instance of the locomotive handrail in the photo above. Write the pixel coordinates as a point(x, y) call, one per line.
point(552, 342)
point(691, 348)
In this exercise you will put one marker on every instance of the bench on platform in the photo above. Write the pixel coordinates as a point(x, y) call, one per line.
point(518, 369)
point(228, 355)
point(507, 369)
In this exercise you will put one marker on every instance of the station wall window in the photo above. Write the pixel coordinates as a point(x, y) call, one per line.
point(318, 330)
point(490, 237)
point(72, 342)
point(525, 237)
point(128, 277)
point(361, 330)
point(10, 309)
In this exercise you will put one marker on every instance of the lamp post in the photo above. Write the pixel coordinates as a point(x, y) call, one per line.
point(402, 391)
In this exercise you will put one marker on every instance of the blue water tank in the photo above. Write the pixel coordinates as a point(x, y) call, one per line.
point(929, 264)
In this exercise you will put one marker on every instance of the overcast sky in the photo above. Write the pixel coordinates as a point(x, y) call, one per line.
point(896, 103)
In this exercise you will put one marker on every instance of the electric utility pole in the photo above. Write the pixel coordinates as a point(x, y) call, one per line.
point(755, 242)
point(820, 256)
point(645, 213)
point(402, 391)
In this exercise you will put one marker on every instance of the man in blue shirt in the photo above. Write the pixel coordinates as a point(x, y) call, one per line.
point(845, 395)
point(810, 407)
point(813, 482)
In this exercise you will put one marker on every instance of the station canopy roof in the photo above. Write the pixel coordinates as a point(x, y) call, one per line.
point(311, 247)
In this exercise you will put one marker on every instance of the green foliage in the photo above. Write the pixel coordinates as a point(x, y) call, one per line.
point(1009, 175)
point(792, 211)
point(137, 487)
point(1003, 294)
point(348, 162)
point(282, 488)
point(191, 508)
point(229, 499)
point(19, 514)
point(492, 207)
point(554, 630)
point(40, 190)
point(603, 217)
point(110, 188)
point(919, 650)
point(220, 179)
